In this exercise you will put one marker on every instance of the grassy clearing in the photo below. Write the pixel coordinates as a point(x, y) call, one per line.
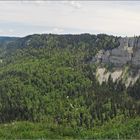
point(115, 129)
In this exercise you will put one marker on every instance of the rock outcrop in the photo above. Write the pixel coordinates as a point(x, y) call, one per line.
point(127, 77)
point(128, 52)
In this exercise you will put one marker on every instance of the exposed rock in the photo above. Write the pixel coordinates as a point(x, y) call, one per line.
point(102, 75)
point(119, 74)
point(127, 52)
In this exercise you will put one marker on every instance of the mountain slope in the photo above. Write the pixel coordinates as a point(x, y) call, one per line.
point(51, 79)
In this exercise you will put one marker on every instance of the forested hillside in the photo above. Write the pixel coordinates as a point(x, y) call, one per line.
point(48, 87)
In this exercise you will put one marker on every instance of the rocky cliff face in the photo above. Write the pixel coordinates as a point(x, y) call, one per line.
point(128, 52)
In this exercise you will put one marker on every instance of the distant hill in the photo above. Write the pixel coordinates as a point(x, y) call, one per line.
point(7, 39)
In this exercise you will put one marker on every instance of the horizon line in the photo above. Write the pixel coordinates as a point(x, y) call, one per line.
point(82, 33)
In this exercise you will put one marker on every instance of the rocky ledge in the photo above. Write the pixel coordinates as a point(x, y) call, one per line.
point(128, 52)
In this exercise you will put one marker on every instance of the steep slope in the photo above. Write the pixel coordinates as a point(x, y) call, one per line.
point(128, 52)
point(122, 62)
point(51, 79)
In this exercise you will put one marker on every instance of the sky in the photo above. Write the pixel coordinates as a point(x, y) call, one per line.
point(21, 18)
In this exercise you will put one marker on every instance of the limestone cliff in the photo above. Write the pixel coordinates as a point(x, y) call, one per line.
point(126, 55)
point(128, 52)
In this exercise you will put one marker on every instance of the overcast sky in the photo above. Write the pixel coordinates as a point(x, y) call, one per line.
point(20, 18)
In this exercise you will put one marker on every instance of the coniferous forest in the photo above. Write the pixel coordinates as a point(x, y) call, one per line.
point(49, 89)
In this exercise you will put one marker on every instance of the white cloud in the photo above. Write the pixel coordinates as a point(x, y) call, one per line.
point(119, 18)
point(74, 4)
point(11, 30)
point(57, 30)
point(1, 31)
point(36, 2)
point(39, 2)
